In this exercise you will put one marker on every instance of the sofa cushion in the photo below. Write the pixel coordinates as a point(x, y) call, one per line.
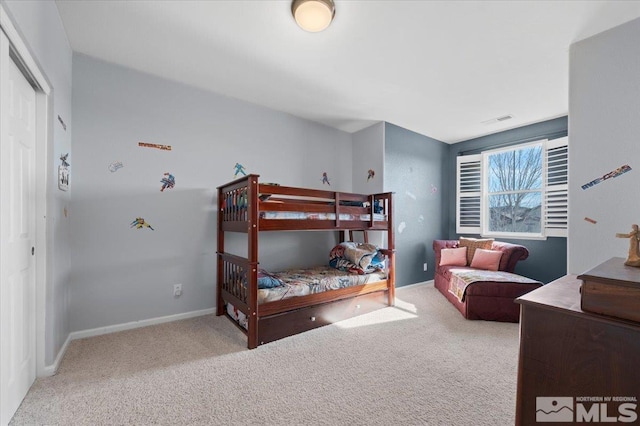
point(474, 243)
point(445, 271)
point(499, 289)
point(453, 257)
point(486, 259)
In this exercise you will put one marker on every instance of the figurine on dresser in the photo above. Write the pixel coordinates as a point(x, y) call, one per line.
point(634, 246)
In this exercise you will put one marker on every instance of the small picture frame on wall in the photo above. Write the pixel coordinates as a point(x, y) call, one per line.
point(63, 178)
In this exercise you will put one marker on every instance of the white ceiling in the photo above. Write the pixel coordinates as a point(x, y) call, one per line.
point(439, 68)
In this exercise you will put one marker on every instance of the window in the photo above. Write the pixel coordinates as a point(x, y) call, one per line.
point(514, 190)
point(519, 191)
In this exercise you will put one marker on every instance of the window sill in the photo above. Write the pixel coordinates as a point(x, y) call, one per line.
point(514, 236)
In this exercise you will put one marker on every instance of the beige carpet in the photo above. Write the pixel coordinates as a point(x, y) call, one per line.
point(419, 363)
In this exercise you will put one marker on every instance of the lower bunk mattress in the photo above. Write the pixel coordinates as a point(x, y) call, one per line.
point(302, 282)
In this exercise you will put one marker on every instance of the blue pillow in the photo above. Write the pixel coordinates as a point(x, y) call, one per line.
point(267, 280)
point(377, 261)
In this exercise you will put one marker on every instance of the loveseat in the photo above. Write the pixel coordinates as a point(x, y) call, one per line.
point(486, 300)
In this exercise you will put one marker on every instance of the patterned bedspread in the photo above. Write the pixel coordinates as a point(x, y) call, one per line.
point(300, 282)
point(461, 278)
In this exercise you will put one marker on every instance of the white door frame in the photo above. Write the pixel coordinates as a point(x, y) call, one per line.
point(43, 132)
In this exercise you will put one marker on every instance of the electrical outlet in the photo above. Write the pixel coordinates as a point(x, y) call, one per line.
point(177, 290)
point(424, 266)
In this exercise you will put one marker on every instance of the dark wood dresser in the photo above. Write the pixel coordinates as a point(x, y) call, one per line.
point(567, 352)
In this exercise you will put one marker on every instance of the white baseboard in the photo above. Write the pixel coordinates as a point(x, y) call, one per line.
point(50, 370)
point(137, 324)
point(415, 284)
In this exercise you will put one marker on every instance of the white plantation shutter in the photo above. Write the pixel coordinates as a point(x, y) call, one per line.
point(557, 188)
point(469, 194)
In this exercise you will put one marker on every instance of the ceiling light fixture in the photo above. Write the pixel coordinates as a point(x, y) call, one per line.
point(313, 15)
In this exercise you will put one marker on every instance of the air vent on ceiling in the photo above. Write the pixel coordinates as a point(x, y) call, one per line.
point(498, 119)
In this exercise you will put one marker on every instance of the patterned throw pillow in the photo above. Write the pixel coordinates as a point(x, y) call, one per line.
point(474, 243)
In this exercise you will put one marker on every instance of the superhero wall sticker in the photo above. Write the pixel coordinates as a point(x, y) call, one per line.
point(168, 181)
point(239, 168)
point(612, 174)
point(139, 223)
point(115, 166)
point(63, 173)
point(325, 178)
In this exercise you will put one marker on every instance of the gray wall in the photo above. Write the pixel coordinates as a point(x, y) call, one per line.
point(368, 153)
point(121, 274)
point(604, 105)
point(547, 259)
point(41, 29)
point(413, 165)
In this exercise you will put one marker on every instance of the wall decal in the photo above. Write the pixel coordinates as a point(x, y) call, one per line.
point(325, 178)
point(140, 223)
point(612, 174)
point(63, 158)
point(65, 211)
point(370, 174)
point(434, 189)
point(64, 126)
point(168, 181)
point(63, 173)
point(115, 166)
point(155, 145)
point(401, 227)
point(239, 169)
point(410, 195)
point(588, 219)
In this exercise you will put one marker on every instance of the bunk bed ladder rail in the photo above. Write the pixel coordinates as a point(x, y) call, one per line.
point(237, 274)
point(234, 205)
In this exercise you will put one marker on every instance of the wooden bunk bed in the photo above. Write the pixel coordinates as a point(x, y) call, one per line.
point(250, 207)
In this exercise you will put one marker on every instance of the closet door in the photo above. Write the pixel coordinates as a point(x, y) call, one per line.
point(17, 234)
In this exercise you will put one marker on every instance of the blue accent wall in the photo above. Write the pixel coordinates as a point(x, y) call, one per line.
point(548, 258)
point(416, 170)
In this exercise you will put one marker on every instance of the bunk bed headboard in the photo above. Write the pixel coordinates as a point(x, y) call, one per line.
point(271, 207)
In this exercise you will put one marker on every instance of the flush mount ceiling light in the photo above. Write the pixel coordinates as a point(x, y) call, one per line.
point(313, 15)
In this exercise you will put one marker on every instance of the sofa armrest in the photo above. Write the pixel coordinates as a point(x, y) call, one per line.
point(511, 254)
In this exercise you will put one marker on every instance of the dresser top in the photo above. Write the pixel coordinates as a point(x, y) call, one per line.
point(614, 271)
point(563, 293)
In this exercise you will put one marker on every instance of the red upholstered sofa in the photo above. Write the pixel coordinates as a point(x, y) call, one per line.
point(487, 300)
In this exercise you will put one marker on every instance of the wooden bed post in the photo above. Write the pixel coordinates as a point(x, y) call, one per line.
point(252, 233)
point(219, 275)
point(391, 243)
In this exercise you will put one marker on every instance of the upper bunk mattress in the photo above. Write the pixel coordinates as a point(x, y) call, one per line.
point(321, 216)
point(301, 282)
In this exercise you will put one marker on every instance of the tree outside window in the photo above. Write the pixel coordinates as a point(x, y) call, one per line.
point(515, 190)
